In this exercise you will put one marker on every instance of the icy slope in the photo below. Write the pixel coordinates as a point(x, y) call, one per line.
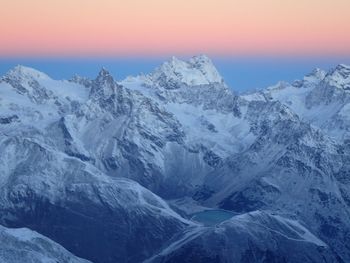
point(252, 237)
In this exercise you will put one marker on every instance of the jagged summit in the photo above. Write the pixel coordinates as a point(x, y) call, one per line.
point(317, 73)
point(343, 67)
point(103, 73)
point(339, 77)
point(201, 59)
point(104, 84)
point(311, 79)
point(199, 70)
point(206, 66)
point(340, 70)
point(104, 76)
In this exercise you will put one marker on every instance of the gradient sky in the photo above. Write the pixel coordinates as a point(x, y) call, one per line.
point(254, 43)
point(161, 27)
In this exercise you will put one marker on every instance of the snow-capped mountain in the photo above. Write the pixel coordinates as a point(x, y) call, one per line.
point(24, 245)
point(93, 163)
point(197, 71)
point(321, 98)
point(77, 205)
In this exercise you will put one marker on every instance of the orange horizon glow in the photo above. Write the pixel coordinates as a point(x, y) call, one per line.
point(159, 27)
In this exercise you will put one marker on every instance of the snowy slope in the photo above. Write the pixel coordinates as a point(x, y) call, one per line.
point(23, 245)
point(252, 237)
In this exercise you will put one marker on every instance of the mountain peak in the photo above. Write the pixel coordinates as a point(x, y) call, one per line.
point(26, 72)
point(201, 60)
point(317, 72)
point(104, 84)
point(199, 70)
point(174, 61)
point(340, 76)
point(104, 73)
point(104, 76)
point(314, 77)
point(342, 70)
point(343, 67)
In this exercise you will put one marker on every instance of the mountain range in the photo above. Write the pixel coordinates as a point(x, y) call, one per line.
point(114, 171)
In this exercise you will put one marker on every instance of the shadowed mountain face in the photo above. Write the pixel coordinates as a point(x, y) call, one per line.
point(89, 163)
point(24, 245)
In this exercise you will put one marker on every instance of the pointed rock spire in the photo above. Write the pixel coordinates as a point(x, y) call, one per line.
point(104, 76)
point(104, 84)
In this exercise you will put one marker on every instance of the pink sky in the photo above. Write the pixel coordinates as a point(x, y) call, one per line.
point(163, 27)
